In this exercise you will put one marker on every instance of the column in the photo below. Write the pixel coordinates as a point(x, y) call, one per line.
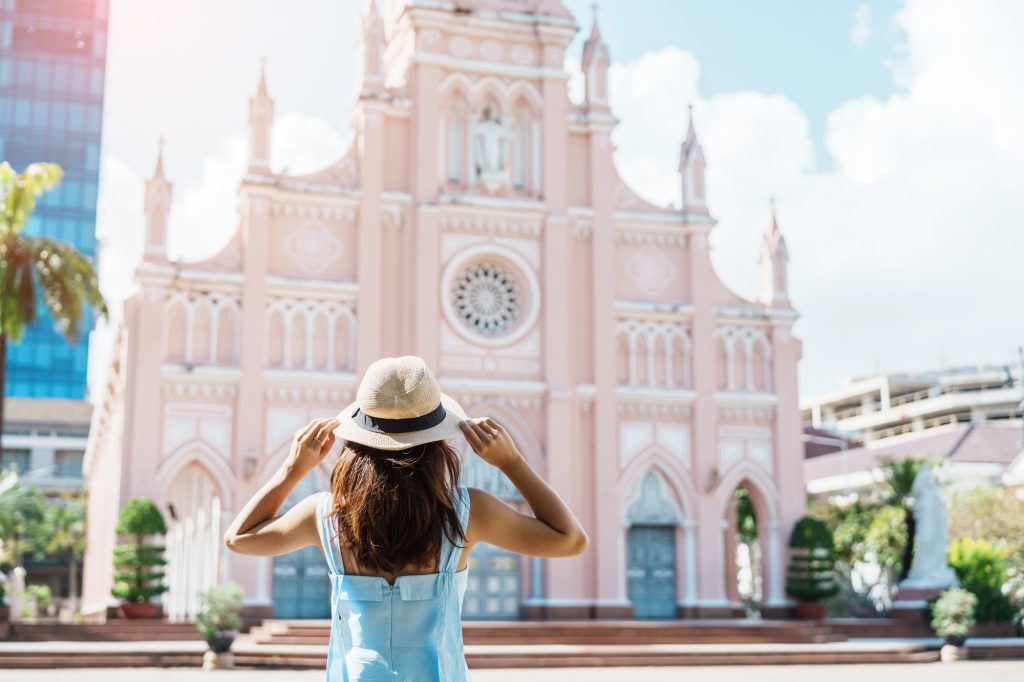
point(370, 308)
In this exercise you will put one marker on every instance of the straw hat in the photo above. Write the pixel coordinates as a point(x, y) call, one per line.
point(399, 404)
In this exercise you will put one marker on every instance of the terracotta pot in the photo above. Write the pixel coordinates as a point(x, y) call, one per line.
point(811, 610)
point(135, 609)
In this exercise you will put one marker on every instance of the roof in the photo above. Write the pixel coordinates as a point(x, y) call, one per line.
point(984, 442)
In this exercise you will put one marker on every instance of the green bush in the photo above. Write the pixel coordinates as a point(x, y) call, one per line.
point(981, 568)
point(141, 517)
point(953, 613)
point(812, 569)
point(137, 578)
point(42, 594)
point(218, 611)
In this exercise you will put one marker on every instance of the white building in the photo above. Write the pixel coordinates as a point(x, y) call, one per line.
point(967, 417)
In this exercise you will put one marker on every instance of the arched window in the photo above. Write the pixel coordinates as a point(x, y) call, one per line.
point(522, 149)
point(455, 133)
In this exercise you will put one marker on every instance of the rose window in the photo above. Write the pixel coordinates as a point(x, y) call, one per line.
point(486, 299)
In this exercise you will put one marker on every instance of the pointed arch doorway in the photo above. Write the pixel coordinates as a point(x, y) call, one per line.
point(300, 584)
point(651, 550)
point(492, 590)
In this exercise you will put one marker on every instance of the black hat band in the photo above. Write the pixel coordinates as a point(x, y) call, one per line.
point(381, 425)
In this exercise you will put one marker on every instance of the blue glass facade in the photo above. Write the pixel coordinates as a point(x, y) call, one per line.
point(52, 62)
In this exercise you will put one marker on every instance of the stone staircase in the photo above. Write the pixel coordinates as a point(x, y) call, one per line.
point(110, 631)
point(521, 644)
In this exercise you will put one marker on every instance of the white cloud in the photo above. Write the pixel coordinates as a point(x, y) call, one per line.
point(861, 27)
point(203, 214)
point(905, 254)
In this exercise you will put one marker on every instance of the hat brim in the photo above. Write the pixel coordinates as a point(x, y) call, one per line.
point(449, 428)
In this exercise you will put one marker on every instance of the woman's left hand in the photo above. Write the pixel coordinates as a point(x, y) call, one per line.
point(311, 444)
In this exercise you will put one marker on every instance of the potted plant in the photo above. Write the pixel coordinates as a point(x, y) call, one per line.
point(4, 609)
point(812, 568)
point(953, 618)
point(218, 621)
point(137, 577)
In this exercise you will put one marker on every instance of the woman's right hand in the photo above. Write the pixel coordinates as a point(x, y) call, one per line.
point(491, 441)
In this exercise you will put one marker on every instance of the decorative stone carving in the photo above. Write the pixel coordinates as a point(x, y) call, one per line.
point(460, 46)
point(490, 151)
point(487, 299)
point(522, 55)
point(313, 247)
point(653, 503)
point(492, 50)
point(651, 269)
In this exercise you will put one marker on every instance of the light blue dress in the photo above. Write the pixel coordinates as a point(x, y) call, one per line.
point(407, 632)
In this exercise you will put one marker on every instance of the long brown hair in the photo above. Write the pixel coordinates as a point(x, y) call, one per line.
point(392, 508)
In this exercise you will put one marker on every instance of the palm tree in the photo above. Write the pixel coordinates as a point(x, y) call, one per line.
point(34, 267)
point(900, 475)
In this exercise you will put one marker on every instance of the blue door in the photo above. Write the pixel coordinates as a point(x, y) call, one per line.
point(651, 571)
point(301, 587)
point(492, 590)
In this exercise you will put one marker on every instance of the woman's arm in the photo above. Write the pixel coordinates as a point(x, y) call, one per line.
point(552, 531)
point(257, 529)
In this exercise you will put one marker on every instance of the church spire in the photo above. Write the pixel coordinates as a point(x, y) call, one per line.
point(371, 52)
point(157, 210)
point(261, 120)
point(691, 168)
point(595, 65)
point(774, 259)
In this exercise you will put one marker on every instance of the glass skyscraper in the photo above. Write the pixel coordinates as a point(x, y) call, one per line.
point(52, 63)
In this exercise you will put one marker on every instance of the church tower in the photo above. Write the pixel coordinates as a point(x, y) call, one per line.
point(595, 70)
point(261, 119)
point(370, 50)
point(157, 211)
point(691, 168)
point(774, 259)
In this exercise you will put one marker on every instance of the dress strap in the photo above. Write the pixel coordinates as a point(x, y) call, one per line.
point(328, 534)
point(450, 553)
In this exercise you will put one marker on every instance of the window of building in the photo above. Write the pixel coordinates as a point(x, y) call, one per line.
point(19, 459)
point(69, 463)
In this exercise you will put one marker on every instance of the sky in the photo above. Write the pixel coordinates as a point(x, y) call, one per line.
point(888, 131)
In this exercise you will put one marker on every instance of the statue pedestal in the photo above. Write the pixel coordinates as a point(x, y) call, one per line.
point(911, 603)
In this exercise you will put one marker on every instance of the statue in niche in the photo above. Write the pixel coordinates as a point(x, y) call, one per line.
point(490, 151)
point(929, 567)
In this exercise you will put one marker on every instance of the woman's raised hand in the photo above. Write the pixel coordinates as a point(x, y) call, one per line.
point(312, 443)
point(492, 442)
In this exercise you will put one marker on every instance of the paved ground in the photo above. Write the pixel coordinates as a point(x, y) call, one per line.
point(996, 671)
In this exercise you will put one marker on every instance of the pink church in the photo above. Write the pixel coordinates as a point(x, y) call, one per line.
point(478, 221)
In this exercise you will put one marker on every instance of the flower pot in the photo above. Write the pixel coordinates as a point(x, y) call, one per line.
point(5, 613)
point(137, 609)
point(811, 610)
point(956, 640)
point(221, 643)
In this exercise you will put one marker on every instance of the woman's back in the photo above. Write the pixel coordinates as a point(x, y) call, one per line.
point(396, 510)
point(410, 630)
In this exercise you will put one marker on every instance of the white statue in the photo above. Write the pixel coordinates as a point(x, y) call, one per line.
point(929, 567)
point(490, 151)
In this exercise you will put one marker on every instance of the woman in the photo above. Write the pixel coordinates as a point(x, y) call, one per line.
point(396, 528)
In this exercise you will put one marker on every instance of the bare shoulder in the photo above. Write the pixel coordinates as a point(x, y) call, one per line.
point(484, 511)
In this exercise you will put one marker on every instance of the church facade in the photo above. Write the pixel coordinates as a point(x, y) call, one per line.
point(477, 220)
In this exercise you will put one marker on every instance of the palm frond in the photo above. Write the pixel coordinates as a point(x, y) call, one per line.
point(67, 281)
point(19, 192)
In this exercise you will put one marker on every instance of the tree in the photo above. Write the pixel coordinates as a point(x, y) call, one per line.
point(21, 515)
point(900, 475)
point(65, 537)
point(37, 267)
point(992, 513)
point(138, 578)
point(812, 568)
